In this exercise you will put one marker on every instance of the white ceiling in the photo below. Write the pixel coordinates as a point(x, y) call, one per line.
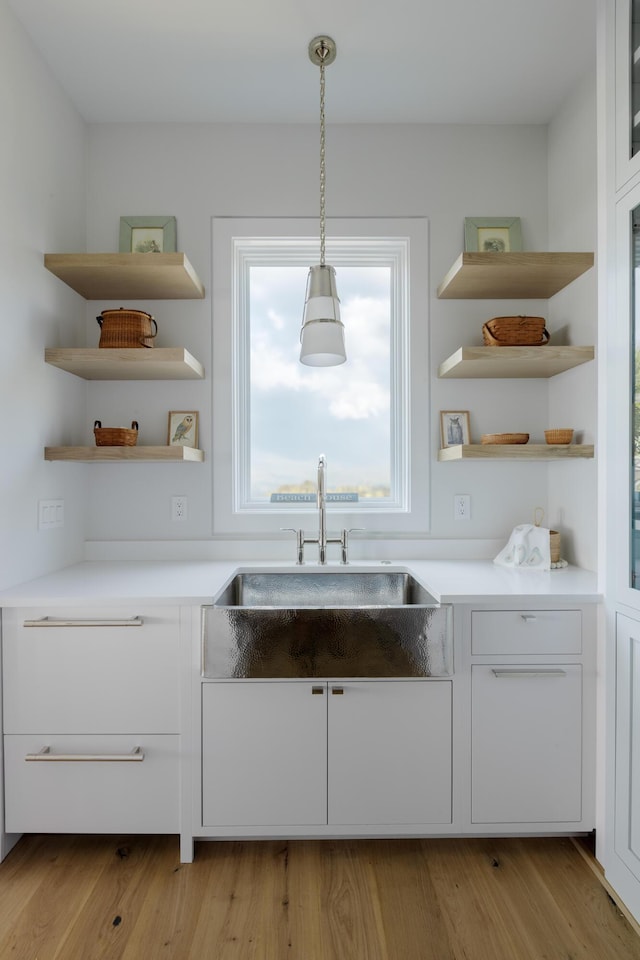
point(402, 61)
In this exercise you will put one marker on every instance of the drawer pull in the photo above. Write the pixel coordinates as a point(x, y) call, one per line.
point(516, 674)
point(317, 691)
point(528, 617)
point(58, 622)
point(337, 691)
point(136, 755)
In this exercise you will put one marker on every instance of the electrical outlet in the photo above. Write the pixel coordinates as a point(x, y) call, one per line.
point(50, 514)
point(461, 506)
point(178, 508)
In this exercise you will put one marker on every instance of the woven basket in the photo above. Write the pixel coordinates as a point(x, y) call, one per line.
point(554, 545)
point(558, 436)
point(515, 332)
point(126, 328)
point(504, 438)
point(115, 436)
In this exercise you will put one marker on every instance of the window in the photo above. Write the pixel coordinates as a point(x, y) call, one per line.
point(273, 416)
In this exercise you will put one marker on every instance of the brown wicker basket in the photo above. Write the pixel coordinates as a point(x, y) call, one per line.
point(558, 436)
point(126, 328)
point(515, 332)
point(115, 436)
point(504, 438)
point(554, 545)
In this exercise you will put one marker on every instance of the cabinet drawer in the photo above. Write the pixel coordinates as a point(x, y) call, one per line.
point(526, 631)
point(95, 676)
point(94, 792)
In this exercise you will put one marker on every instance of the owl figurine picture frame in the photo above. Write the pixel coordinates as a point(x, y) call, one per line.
point(183, 428)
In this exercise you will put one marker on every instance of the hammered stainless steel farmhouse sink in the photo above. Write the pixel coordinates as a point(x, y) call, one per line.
point(331, 623)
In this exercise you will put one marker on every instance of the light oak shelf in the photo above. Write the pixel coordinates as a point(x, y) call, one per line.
point(496, 276)
point(516, 451)
point(512, 362)
point(125, 454)
point(127, 276)
point(131, 363)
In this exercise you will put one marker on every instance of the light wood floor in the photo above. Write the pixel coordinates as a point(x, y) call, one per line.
point(84, 898)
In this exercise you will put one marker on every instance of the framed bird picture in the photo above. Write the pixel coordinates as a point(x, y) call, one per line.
point(183, 428)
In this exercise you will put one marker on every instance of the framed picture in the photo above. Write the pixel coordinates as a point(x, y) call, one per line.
point(183, 428)
point(147, 235)
point(454, 427)
point(492, 234)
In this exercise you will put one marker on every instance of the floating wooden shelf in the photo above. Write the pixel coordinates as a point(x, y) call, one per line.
point(496, 276)
point(127, 276)
point(125, 454)
point(158, 363)
point(516, 451)
point(512, 362)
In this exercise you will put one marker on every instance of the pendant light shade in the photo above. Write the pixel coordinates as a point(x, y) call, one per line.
point(322, 334)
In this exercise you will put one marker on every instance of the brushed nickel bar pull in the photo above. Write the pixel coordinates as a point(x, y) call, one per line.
point(61, 622)
point(528, 617)
point(136, 755)
point(317, 691)
point(337, 691)
point(514, 674)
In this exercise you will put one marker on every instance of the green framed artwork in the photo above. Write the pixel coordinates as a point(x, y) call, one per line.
point(147, 235)
point(492, 234)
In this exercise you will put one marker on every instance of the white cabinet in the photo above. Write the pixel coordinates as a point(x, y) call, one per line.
point(264, 758)
point(526, 743)
point(627, 756)
point(91, 720)
point(301, 752)
point(389, 752)
point(532, 716)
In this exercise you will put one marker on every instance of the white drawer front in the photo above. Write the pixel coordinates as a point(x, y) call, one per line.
point(91, 678)
point(526, 632)
point(98, 795)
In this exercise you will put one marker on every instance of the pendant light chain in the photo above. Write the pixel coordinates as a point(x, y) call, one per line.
point(323, 53)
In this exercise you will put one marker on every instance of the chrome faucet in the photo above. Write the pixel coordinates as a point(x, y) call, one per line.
point(322, 539)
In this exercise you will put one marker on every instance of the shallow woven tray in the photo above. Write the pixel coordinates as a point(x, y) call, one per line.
point(504, 438)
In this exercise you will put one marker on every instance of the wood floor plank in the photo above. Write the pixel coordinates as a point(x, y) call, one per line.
point(66, 873)
point(609, 935)
point(349, 905)
point(110, 915)
point(411, 914)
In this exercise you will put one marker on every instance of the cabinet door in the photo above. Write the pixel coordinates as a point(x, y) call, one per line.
point(627, 806)
point(627, 82)
point(389, 752)
point(264, 753)
point(526, 743)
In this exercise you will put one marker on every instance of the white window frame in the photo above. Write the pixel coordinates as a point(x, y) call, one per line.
point(234, 251)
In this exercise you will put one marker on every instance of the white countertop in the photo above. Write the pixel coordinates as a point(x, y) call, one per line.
point(449, 581)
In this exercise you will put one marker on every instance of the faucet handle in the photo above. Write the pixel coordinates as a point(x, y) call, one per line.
point(299, 534)
point(344, 542)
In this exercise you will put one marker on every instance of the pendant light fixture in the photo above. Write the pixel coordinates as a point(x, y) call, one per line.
point(322, 334)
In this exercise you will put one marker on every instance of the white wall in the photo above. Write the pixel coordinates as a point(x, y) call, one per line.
point(42, 193)
point(197, 171)
point(573, 318)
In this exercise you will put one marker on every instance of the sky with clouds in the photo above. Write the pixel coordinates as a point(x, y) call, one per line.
point(299, 412)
